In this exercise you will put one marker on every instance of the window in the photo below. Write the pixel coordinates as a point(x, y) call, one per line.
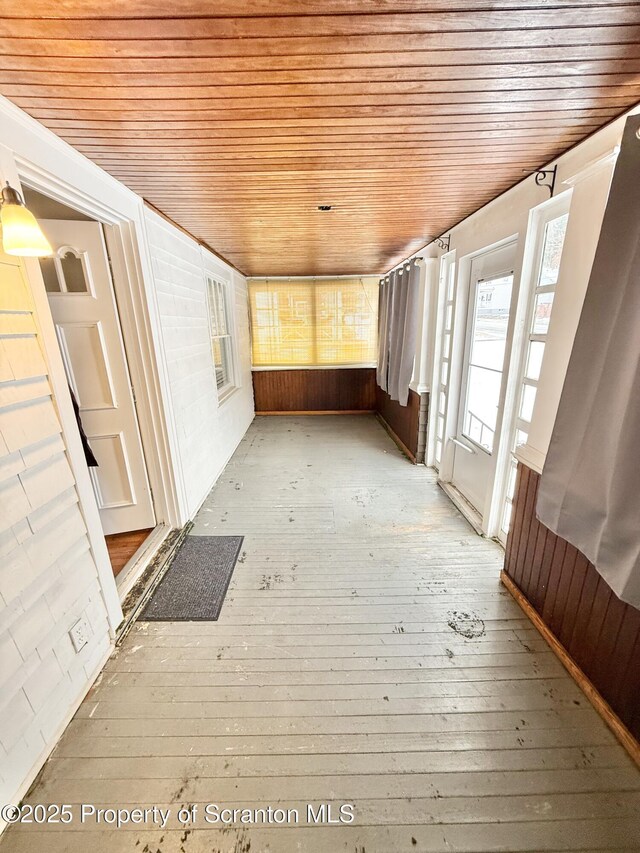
point(308, 323)
point(447, 291)
point(546, 272)
point(221, 327)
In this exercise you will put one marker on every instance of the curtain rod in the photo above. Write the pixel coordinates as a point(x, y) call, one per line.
point(402, 264)
point(310, 277)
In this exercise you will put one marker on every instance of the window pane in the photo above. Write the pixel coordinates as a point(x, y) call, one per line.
point(448, 317)
point(222, 361)
point(534, 359)
point(451, 283)
point(314, 323)
point(528, 399)
point(481, 410)
point(506, 517)
point(511, 483)
point(493, 299)
point(542, 313)
point(552, 252)
point(444, 375)
point(73, 272)
point(50, 275)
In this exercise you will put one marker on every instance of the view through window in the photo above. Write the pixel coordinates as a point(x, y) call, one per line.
point(308, 323)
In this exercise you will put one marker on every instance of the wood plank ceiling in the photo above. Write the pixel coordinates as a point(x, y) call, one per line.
point(239, 120)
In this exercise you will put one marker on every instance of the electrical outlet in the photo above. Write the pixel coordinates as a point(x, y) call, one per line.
point(79, 634)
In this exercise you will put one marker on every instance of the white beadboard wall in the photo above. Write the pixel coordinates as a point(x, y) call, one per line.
point(48, 578)
point(207, 432)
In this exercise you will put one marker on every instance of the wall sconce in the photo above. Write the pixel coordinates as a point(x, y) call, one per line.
point(21, 234)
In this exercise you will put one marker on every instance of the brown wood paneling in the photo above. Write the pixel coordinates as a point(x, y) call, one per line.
point(599, 631)
point(403, 421)
point(238, 120)
point(318, 390)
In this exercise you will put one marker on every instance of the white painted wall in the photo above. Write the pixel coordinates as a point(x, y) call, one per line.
point(54, 566)
point(207, 432)
point(48, 575)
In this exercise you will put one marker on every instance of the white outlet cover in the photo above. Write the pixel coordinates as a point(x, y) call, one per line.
point(79, 634)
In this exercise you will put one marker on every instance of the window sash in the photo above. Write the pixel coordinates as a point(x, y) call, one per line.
point(220, 335)
point(314, 323)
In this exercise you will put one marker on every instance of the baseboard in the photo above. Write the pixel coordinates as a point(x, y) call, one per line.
point(321, 412)
point(397, 440)
point(600, 704)
point(142, 590)
point(38, 765)
point(135, 567)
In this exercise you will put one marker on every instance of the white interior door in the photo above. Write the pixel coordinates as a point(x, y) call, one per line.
point(481, 391)
point(83, 306)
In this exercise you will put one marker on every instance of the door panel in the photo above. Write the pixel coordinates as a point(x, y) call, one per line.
point(80, 291)
point(481, 396)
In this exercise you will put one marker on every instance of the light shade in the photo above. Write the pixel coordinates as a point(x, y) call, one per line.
point(21, 234)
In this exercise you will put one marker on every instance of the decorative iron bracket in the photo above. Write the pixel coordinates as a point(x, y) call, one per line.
point(443, 242)
point(547, 178)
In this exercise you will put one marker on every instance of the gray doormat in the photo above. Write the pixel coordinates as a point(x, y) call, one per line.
point(196, 582)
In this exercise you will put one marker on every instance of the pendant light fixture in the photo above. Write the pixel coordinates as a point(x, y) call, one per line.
point(21, 234)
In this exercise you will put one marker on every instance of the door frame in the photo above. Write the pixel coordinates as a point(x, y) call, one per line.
point(483, 520)
point(122, 240)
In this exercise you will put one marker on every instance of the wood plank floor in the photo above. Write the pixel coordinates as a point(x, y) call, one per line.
point(122, 547)
point(340, 672)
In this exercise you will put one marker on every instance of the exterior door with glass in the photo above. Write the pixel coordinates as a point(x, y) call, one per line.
point(78, 283)
point(481, 390)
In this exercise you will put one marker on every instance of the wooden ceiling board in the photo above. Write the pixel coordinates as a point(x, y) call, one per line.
point(238, 120)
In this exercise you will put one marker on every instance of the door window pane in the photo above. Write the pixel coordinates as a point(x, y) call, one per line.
point(50, 275)
point(481, 411)
point(492, 300)
point(73, 272)
point(491, 320)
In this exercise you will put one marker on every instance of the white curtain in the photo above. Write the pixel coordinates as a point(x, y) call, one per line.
point(398, 331)
point(590, 486)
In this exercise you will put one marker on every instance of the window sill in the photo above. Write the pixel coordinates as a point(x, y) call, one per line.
point(226, 394)
point(363, 366)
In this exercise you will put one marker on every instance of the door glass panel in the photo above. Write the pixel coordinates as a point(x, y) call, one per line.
point(542, 313)
point(492, 300)
point(481, 412)
point(73, 272)
point(50, 275)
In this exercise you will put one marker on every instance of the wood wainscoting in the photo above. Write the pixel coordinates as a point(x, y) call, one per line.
point(405, 424)
point(315, 390)
point(600, 633)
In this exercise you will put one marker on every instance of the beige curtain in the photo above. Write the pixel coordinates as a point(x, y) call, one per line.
point(590, 486)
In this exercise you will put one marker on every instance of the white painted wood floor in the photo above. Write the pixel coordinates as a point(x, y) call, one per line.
point(334, 675)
